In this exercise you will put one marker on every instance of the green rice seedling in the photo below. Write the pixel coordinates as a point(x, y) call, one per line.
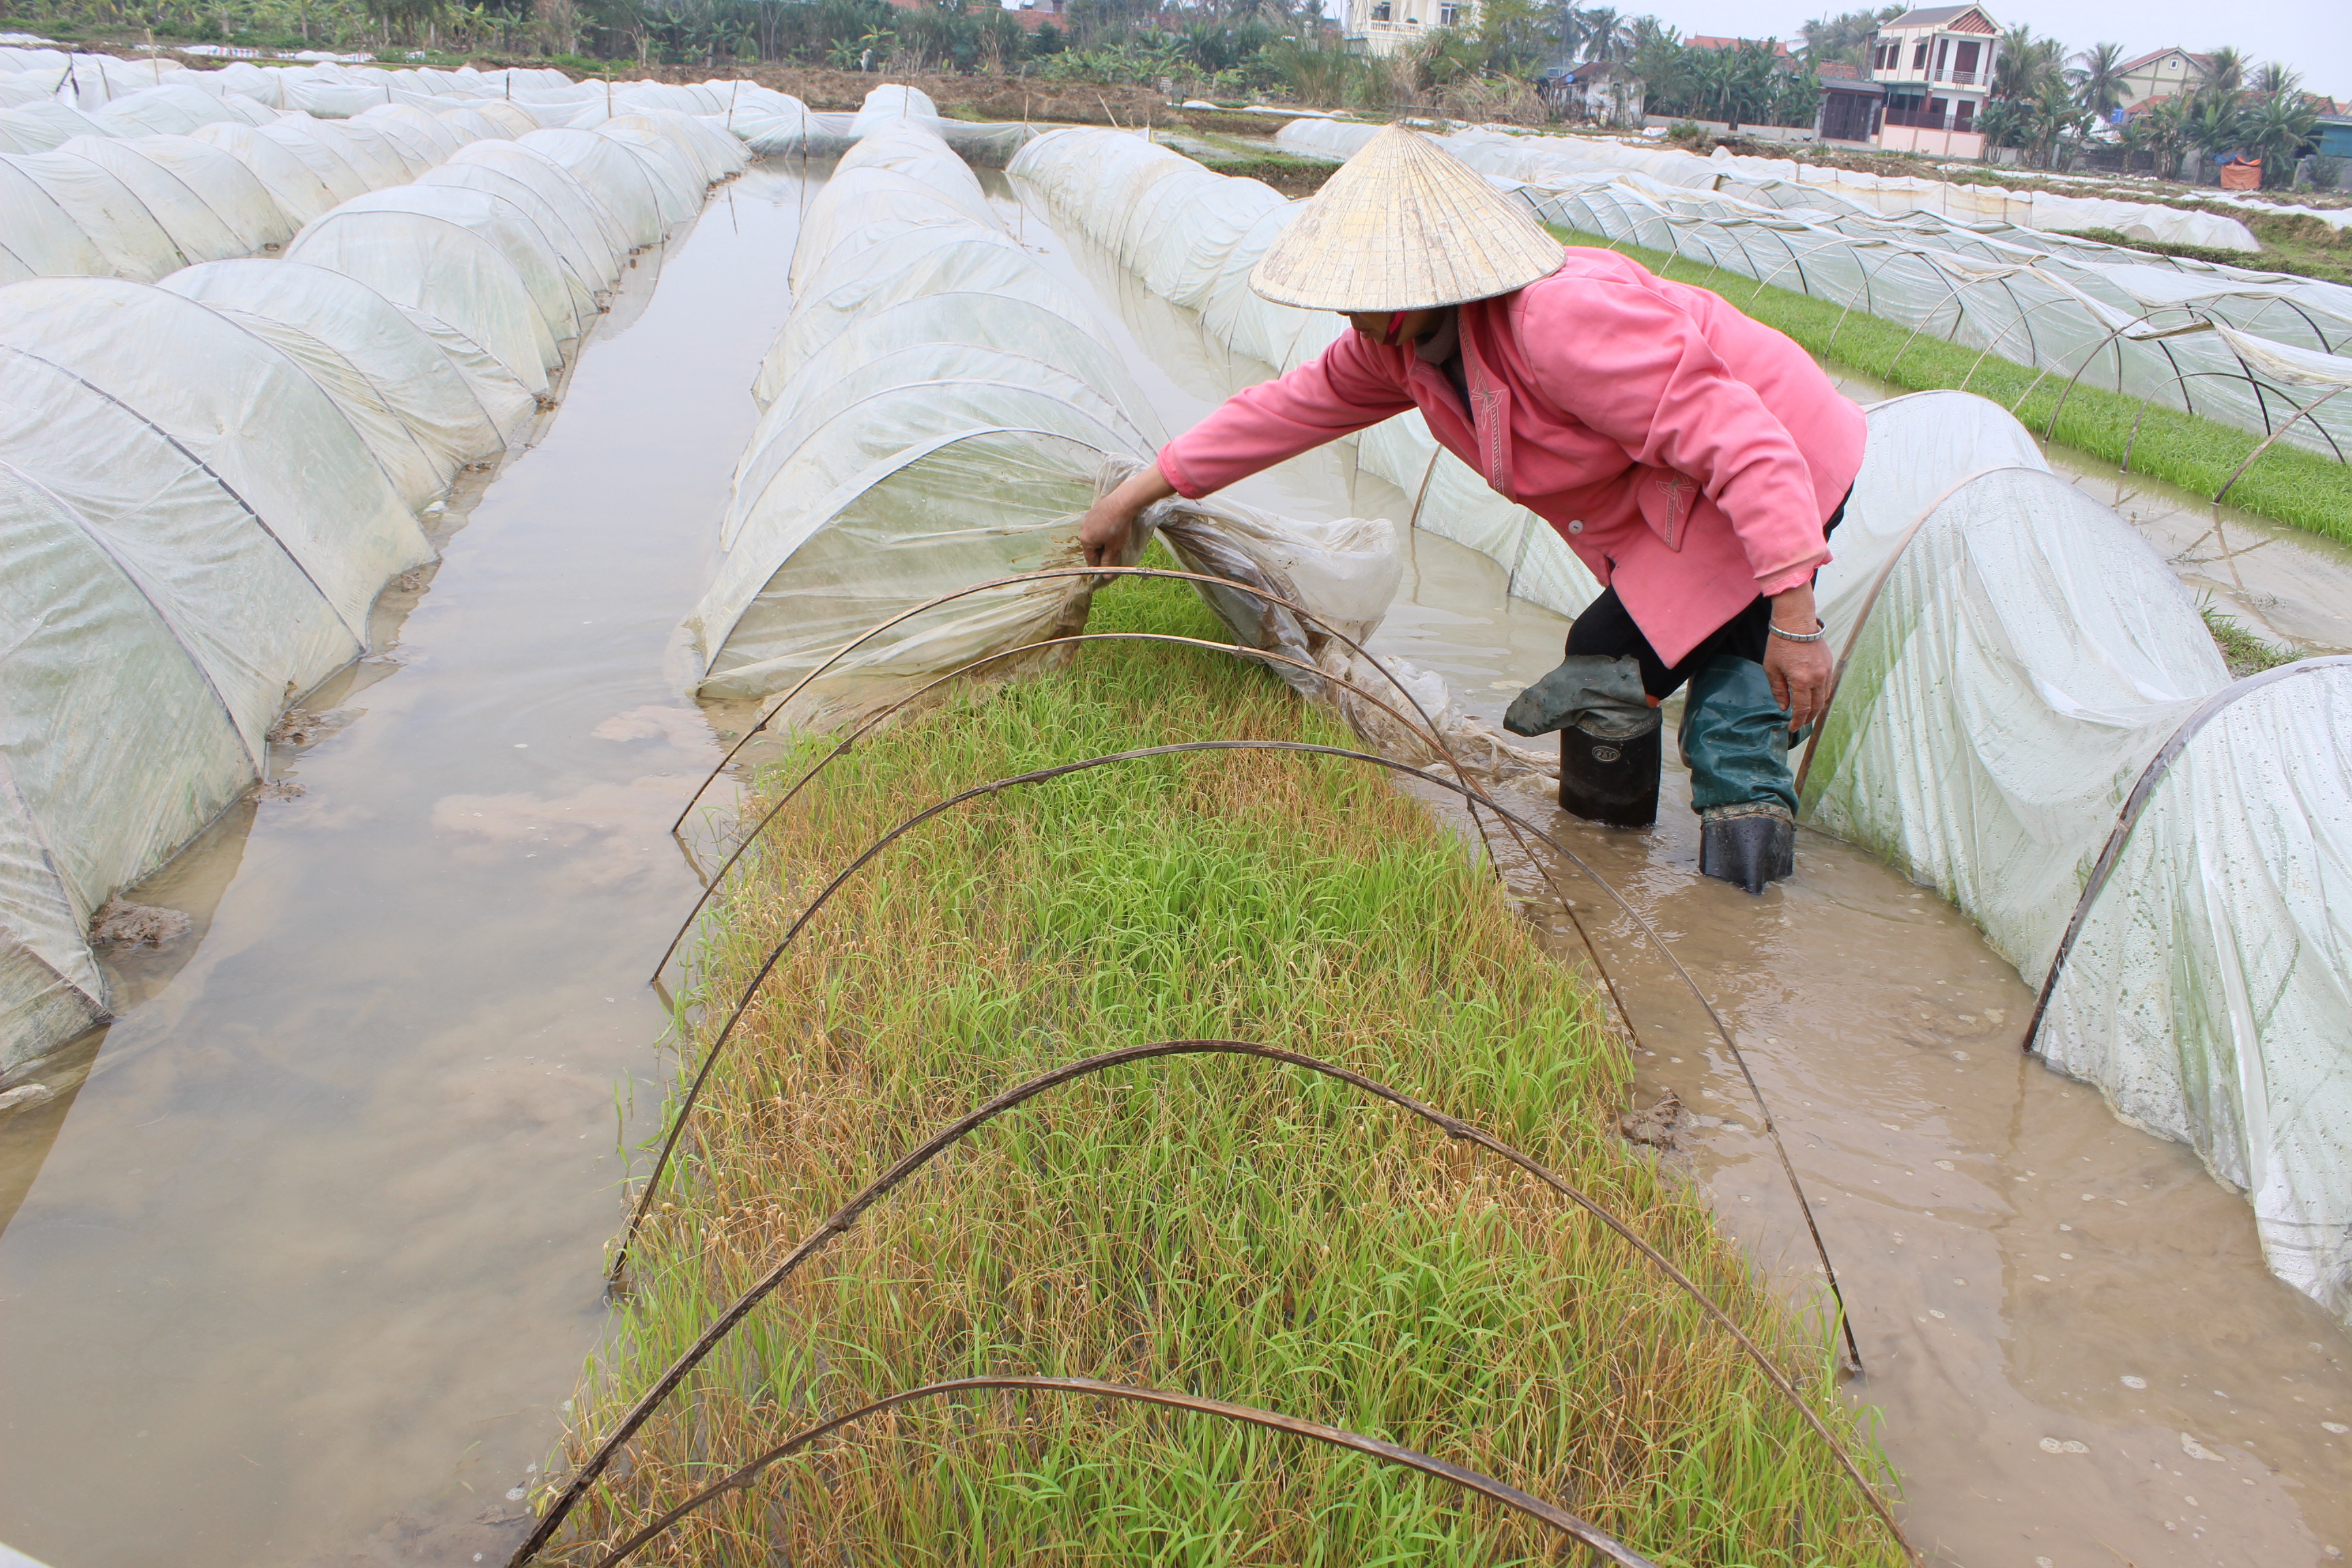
point(2286, 483)
point(1225, 1227)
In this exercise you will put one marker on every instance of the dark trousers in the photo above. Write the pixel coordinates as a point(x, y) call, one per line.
point(1607, 629)
point(1735, 735)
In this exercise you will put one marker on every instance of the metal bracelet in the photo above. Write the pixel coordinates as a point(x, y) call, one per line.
point(1820, 629)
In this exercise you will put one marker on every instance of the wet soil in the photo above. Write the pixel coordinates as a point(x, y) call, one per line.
point(2077, 1355)
point(304, 1269)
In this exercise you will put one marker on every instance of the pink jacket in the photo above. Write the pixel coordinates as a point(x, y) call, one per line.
point(1688, 455)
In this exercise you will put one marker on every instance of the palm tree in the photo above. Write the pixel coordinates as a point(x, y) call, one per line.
point(2025, 63)
point(2099, 81)
point(2165, 130)
point(2225, 74)
point(2215, 124)
point(2276, 130)
point(1607, 36)
point(2055, 113)
point(2276, 80)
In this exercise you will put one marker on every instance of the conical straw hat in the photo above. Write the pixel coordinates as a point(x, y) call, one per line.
point(1404, 225)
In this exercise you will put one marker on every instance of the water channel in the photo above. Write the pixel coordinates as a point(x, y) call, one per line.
point(305, 1269)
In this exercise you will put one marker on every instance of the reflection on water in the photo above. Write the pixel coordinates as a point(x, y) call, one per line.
point(313, 1256)
point(2078, 1357)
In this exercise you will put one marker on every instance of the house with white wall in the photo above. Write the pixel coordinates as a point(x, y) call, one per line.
point(1935, 65)
point(1384, 26)
point(2162, 73)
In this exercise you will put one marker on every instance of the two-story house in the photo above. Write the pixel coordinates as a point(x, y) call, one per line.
point(1937, 67)
point(2160, 74)
point(1384, 26)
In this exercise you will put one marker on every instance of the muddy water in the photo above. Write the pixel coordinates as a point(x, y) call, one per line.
point(2076, 1353)
point(312, 1259)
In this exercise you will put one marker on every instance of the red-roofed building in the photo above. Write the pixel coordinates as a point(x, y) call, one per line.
point(1780, 54)
point(2159, 74)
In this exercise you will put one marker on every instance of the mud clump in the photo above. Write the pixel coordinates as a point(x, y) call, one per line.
point(1658, 1127)
point(302, 727)
point(118, 924)
point(278, 789)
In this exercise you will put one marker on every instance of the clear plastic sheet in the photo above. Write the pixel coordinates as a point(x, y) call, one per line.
point(2019, 658)
point(205, 485)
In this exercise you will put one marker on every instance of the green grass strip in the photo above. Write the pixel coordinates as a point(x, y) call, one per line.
point(1246, 1232)
point(2287, 484)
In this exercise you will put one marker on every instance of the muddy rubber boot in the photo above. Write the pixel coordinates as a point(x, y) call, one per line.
point(1612, 779)
point(1610, 739)
point(1747, 845)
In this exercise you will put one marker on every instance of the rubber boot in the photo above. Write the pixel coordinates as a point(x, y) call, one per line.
point(1735, 740)
point(1748, 846)
point(1611, 779)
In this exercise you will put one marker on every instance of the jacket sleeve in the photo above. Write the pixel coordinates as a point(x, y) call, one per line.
point(1636, 367)
point(1349, 387)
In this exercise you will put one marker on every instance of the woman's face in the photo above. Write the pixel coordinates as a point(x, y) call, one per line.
point(1392, 327)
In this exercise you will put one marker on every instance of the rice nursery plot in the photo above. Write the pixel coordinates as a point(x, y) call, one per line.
point(1231, 1228)
point(2285, 484)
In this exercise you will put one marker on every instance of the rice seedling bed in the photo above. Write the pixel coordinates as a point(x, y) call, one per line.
point(1219, 1227)
point(2287, 484)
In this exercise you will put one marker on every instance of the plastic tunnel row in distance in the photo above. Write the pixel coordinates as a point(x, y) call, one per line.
point(935, 413)
point(2019, 658)
point(205, 484)
point(2254, 349)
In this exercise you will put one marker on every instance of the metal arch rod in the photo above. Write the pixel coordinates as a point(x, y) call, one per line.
point(2017, 319)
point(1472, 795)
point(1862, 617)
point(2136, 803)
point(1723, 1031)
point(845, 1218)
point(2305, 412)
point(2226, 375)
point(1049, 575)
point(1510, 1497)
point(2051, 432)
point(1428, 726)
point(883, 716)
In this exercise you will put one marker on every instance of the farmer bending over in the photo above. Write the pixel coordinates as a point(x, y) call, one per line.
point(1693, 460)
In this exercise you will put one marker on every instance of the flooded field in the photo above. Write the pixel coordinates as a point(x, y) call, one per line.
point(305, 1269)
point(311, 1261)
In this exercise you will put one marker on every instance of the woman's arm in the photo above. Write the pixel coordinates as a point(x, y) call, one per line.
point(1350, 385)
point(1111, 520)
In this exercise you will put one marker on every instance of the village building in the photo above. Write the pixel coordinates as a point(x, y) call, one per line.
point(1936, 67)
point(1850, 105)
point(1384, 26)
point(2161, 74)
point(1598, 92)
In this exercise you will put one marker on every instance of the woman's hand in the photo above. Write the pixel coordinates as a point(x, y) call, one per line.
point(1800, 671)
point(1110, 521)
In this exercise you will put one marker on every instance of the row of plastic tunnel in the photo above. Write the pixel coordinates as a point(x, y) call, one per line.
point(940, 408)
point(2019, 661)
point(206, 480)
